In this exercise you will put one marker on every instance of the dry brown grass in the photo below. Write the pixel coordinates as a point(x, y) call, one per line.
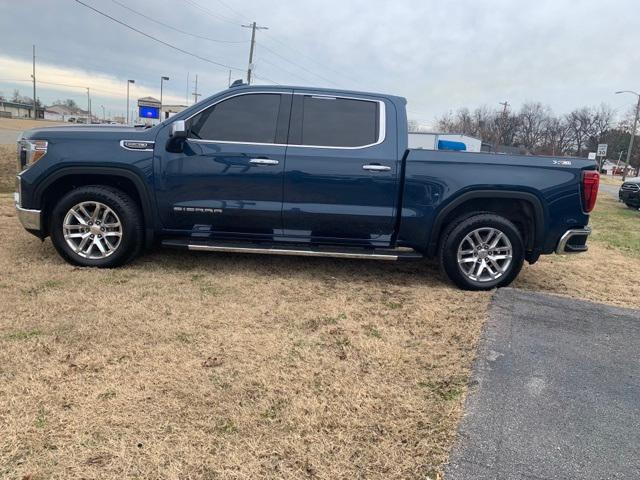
point(20, 124)
point(229, 366)
point(610, 180)
point(8, 166)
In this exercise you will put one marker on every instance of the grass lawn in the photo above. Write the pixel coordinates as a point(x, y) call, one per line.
point(198, 366)
point(616, 225)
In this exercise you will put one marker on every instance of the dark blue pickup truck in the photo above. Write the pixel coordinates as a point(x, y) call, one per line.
point(298, 171)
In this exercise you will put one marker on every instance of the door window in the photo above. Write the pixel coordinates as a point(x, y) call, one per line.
point(251, 118)
point(339, 122)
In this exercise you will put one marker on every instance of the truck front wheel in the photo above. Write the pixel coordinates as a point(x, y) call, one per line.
point(482, 251)
point(96, 226)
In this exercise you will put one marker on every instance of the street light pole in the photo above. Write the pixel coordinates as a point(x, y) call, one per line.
point(633, 131)
point(88, 106)
point(128, 83)
point(162, 79)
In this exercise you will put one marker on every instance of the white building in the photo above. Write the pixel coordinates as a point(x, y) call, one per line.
point(18, 110)
point(443, 141)
point(62, 113)
point(169, 111)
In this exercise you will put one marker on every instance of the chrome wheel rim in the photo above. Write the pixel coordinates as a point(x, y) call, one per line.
point(92, 230)
point(485, 254)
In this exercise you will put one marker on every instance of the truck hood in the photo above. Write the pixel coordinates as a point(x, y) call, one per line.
point(90, 132)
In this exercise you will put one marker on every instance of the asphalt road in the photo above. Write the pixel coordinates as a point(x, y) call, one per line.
point(555, 393)
point(610, 189)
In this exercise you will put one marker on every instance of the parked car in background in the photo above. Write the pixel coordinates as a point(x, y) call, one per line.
point(629, 192)
point(299, 171)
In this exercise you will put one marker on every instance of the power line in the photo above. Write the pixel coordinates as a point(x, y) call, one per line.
point(283, 70)
point(157, 39)
point(174, 28)
point(209, 12)
point(314, 60)
point(240, 15)
point(216, 15)
point(296, 64)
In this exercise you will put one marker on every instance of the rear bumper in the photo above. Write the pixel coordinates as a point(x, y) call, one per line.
point(573, 241)
point(30, 219)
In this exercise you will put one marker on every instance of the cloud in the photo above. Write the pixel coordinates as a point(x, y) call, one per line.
point(440, 55)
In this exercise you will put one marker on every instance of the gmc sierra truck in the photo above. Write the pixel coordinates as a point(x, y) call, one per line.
point(298, 171)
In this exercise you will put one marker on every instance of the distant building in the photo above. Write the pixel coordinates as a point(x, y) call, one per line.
point(169, 111)
point(444, 141)
point(63, 113)
point(19, 110)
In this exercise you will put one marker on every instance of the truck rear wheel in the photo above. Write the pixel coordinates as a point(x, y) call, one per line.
point(482, 251)
point(96, 226)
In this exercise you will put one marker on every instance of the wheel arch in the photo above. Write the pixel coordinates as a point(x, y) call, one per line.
point(531, 224)
point(66, 179)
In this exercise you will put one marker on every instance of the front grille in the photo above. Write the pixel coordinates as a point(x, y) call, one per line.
point(630, 187)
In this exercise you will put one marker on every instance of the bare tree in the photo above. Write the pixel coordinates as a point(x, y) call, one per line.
point(534, 121)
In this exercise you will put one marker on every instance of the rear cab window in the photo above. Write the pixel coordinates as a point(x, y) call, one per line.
point(338, 122)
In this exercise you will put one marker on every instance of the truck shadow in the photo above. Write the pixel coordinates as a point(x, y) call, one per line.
point(272, 267)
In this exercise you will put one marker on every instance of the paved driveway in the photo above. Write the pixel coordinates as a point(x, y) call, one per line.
point(610, 189)
point(555, 393)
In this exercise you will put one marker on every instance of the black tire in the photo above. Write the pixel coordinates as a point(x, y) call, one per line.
point(633, 207)
point(127, 211)
point(455, 234)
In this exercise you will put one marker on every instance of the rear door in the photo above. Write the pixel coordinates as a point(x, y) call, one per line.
point(228, 180)
point(341, 171)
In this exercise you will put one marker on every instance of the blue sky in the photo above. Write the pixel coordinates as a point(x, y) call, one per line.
point(440, 55)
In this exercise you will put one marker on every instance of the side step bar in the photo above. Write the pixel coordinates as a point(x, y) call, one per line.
point(271, 249)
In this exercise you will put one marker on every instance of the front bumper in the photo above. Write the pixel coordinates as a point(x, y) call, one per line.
point(573, 241)
point(30, 219)
point(629, 197)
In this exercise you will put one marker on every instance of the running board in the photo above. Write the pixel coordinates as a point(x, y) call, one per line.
point(271, 249)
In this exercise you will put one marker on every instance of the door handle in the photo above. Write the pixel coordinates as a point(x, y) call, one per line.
point(263, 161)
point(376, 168)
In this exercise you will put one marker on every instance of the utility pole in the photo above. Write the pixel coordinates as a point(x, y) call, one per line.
point(253, 28)
point(103, 115)
point(633, 132)
point(35, 111)
point(195, 92)
point(229, 83)
point(503, 117)
point(186, 92)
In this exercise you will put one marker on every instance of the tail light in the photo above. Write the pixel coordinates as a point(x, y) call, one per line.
point(590, 183)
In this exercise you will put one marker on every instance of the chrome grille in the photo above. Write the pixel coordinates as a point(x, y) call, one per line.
point(630, 187)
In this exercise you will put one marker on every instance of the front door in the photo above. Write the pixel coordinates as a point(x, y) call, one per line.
point(341, 174)
point(227, 181)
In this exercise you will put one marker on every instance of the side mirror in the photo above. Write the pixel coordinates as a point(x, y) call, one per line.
point(178, 129)
point(175, 142)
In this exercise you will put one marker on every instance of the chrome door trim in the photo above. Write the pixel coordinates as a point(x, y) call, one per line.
point(382, 120)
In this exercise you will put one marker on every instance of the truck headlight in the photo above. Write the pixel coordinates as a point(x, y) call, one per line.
point(30, 151)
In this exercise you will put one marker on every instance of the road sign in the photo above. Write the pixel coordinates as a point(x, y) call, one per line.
point(602, 149)
point(592, 155)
